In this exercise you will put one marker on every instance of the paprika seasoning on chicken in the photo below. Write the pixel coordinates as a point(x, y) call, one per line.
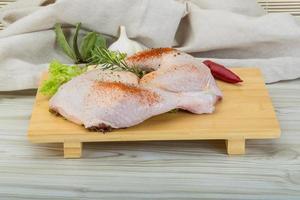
point(220, 72)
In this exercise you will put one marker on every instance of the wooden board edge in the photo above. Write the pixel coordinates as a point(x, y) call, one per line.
point(81, 138)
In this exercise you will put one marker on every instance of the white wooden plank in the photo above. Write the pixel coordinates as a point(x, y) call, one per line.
point(3, 3)
point(148, 170)
point(277, 6)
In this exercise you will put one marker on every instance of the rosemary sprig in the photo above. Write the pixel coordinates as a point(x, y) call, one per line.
point(113, 60)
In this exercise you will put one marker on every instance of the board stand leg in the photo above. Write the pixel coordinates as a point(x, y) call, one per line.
point(72, 149)
point(235, 146)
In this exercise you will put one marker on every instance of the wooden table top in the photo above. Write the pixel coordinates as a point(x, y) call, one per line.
point(145, 170)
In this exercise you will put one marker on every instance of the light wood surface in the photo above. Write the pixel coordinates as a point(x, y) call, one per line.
point(246, 112)
point(150, 170)
point(235, 146)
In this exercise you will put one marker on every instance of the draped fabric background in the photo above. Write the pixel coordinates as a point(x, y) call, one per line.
point(235, 33)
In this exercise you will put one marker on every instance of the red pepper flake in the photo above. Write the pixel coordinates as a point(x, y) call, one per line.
point(144, 96)
point(149, 53)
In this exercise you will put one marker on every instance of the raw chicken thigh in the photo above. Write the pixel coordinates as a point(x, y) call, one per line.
point(101, 100)
point(178, 72)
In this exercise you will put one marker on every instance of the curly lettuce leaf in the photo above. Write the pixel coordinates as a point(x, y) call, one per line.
point(58, 75)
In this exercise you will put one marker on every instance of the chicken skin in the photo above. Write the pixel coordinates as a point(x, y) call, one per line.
point(103, 99)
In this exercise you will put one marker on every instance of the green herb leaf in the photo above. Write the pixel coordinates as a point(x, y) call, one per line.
point(83, 54)
point(88, 44)
point(58, 75)
point(75, 43)
point(100, 42)
point(62, 42)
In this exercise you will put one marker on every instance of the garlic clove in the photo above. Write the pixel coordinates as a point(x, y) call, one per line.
point(126, 45)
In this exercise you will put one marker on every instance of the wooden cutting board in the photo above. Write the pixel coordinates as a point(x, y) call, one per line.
point(246, 112)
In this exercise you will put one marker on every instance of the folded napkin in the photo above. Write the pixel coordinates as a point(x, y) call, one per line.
point(237, 33)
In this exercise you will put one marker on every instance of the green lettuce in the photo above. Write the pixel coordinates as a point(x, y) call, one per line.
point(58, 75)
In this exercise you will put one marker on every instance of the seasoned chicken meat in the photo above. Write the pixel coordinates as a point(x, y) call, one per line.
point(101, 100)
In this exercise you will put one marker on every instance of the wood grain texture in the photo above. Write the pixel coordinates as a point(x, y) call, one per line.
point(246, 112)
point(235, 146)
point(148, 170)
point(4, 3)
point(72, 149)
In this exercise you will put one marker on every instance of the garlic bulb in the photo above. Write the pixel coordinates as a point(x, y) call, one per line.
point(125, 45)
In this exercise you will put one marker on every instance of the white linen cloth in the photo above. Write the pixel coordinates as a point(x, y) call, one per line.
point(237, 33)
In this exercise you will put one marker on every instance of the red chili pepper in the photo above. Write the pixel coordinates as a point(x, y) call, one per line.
point(222, 73)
